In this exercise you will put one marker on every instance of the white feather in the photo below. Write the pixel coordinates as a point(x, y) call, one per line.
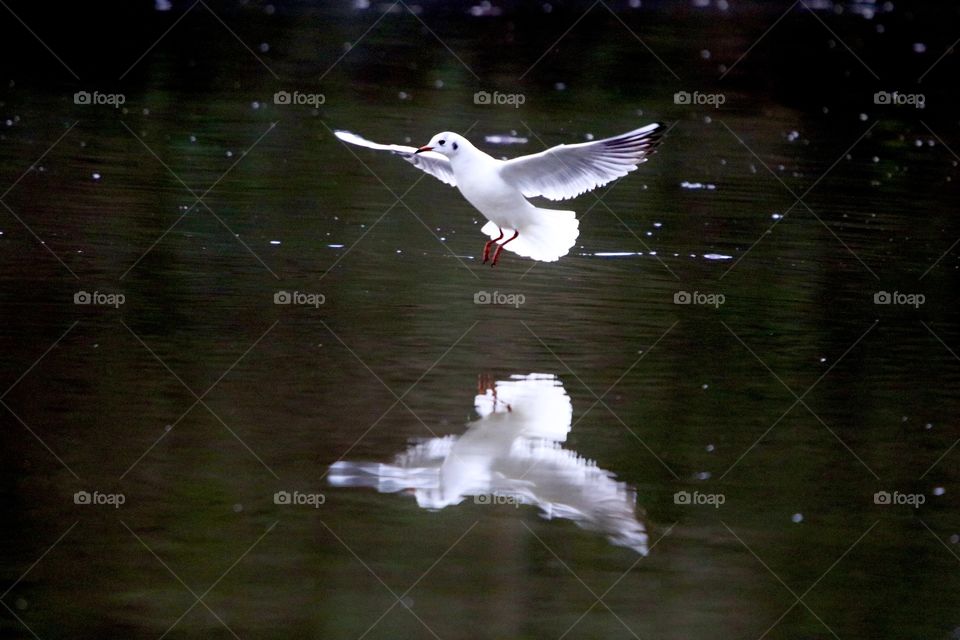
point(566, 171)
point(499, 189)
point(547, 237)
point(436, 164)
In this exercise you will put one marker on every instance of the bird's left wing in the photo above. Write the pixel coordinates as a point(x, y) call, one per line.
point(567, 170)
point(436, 164)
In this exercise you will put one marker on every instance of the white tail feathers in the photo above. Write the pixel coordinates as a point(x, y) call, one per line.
point(547, 235)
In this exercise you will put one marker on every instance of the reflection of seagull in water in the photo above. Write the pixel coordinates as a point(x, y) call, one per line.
point(513, 452)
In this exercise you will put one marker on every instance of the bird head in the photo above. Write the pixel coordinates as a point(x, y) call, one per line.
point(446, 143)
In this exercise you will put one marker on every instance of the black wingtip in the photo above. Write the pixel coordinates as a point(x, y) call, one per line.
point(654, 138)
point(645, 142)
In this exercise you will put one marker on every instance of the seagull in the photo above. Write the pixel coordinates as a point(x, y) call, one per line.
point(499, 188)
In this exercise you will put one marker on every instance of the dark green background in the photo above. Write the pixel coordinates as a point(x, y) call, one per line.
point(883, 218)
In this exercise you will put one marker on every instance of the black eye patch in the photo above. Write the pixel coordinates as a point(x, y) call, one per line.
point(443, 142)
point(455, 146)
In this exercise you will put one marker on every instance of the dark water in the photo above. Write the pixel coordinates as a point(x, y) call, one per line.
point(785, 406)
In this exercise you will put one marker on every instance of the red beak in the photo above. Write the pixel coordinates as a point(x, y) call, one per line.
point(424, 148)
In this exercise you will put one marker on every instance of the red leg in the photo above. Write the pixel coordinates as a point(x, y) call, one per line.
point(496, 254)
point(485, 382)
point(486, 247)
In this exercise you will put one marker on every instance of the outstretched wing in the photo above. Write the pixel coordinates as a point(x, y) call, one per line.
point(567, 170)
point(431, 162)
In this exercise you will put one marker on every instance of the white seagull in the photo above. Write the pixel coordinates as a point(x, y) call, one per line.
point(499, 188)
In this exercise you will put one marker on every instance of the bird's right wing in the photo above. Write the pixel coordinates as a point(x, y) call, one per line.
point(436, 164)
point(567, 170)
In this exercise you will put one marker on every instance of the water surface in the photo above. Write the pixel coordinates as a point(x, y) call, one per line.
point(750, 430)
